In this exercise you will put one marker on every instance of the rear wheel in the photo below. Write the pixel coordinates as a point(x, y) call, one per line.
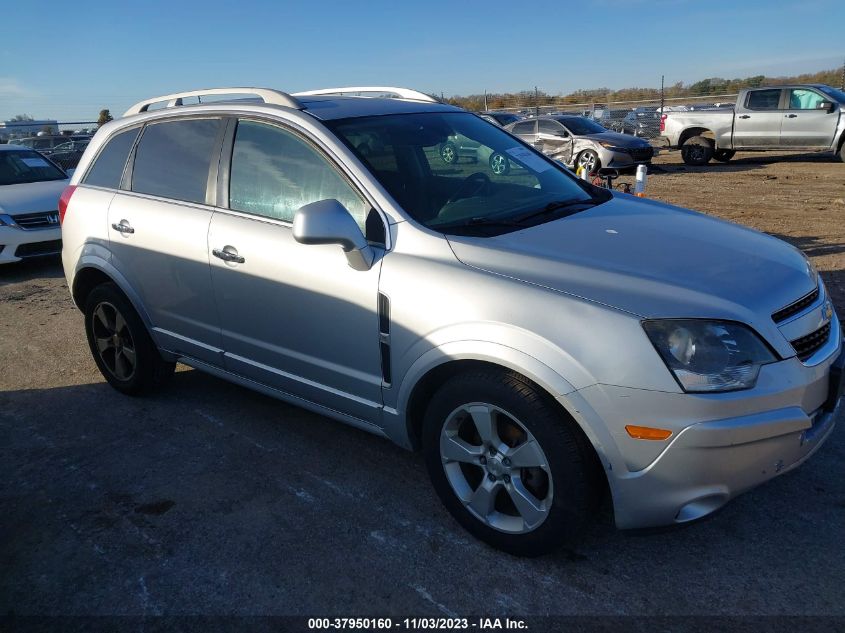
point(697, 150)
point(723, 155)
point(506, 464)
point(120, 343)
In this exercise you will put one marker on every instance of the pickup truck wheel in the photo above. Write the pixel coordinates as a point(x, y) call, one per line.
point(507, 465)
point(120, 344)
point(723, 155)
point(697, 150)
point(841, 153)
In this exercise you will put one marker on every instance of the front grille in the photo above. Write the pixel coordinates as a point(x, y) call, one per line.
point(796, 306)
point(807, 345)
point(43, 220)
point(39, 249)
point(643, 153)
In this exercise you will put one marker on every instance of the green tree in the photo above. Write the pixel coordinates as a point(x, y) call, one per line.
point(22, 117)
point(105, 117)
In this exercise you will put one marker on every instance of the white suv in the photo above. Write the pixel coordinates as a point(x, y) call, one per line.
point(542, 340)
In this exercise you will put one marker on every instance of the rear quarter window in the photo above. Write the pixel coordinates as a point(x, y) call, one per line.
point(172, 159)
point(107, 169)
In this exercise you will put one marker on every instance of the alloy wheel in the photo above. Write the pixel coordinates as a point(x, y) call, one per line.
point(587, 161)
point(496, 467)
point(114, 341)
point(498, 164)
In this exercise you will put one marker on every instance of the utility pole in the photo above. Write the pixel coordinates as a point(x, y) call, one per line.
point(536, 101)
point(662, 95)
point(843, 75)
point(485, 101)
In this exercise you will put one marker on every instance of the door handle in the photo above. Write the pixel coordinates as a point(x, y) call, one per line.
point(123, 227)
point(230, 255)
point(744, 116)
point(791, 116)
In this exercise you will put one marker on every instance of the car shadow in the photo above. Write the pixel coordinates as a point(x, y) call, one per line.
point(32, 269)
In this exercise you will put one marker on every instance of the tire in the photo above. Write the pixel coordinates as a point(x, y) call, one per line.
point(116, 335)
point(563, 487)
point(449, 153)
point(841, 153)
point(499, 164)
point(723, 155)
point(697, 151)
point(588, 159)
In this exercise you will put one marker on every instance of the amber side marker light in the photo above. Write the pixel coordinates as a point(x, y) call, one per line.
point(647, 432)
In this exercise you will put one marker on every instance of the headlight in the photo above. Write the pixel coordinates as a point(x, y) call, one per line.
point(612, 147)
point(709, 355)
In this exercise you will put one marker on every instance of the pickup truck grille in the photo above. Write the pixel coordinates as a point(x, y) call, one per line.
point(796, 306)
point(806, 346)
point(42, 220)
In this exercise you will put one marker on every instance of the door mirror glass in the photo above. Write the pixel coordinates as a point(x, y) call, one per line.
point(329, 222)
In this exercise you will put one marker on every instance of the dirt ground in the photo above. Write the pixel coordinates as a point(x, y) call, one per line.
point(797, 197)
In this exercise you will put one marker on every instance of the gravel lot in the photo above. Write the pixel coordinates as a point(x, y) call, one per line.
point(210, 499)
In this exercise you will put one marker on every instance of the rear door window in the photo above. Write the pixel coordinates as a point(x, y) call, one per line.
point(526, 127)
point(763, 99)
point(173, 159)
point(107, 169)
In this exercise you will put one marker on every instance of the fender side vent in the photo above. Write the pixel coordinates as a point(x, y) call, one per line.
point(384, 337)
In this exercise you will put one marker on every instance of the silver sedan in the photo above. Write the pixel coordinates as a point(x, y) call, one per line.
point(581, 142)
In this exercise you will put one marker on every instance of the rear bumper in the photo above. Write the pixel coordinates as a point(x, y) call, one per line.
point(17, 244)
point(721, 445)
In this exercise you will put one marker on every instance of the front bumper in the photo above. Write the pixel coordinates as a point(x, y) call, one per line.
point(621, 160)
point(17, 244)
point(721, 446)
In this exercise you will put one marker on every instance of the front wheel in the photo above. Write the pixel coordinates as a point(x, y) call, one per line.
point(589, 160)
point(723, 155)
point(507, 465)
point(120, 343)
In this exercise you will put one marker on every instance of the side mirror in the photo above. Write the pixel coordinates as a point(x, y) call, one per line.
point(830, 106)
point(563, 134)
point(329, 222)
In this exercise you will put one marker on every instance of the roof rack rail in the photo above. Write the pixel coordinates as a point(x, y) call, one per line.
point(357, 91)
point(268, 95)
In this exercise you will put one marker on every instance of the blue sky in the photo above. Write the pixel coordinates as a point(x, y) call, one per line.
point(68, 60)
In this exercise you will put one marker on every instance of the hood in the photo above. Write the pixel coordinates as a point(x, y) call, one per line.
point(620, 140)
point(31, 197)
point(650, 259)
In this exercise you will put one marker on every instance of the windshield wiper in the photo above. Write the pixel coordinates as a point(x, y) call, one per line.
point(555, 206)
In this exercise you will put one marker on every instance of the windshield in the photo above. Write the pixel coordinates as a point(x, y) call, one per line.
point(837, 95)
point(581, 126)
point(455, 173)
point(22, 166)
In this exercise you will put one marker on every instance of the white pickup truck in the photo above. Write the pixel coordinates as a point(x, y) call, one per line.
point(803, 117)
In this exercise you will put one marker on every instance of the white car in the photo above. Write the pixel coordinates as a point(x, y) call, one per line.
point(30, 187)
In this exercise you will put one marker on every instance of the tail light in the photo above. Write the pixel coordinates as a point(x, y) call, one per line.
point(64, 201)
point(662, 122)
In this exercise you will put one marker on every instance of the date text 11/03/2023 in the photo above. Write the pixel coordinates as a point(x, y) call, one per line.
point(416, 624)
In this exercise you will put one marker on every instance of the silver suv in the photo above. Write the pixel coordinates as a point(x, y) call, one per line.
point(541, 340)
